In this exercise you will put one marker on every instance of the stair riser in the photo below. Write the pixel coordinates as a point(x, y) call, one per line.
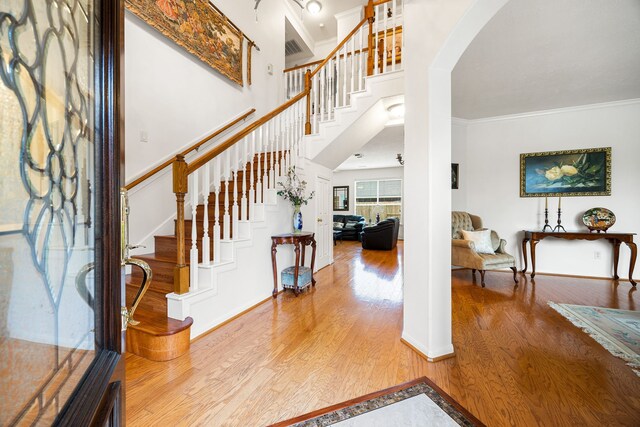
point(151, 301)
point(166, 247)
point(162, 275)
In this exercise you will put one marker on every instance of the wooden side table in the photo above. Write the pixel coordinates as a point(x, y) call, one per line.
point(616, 239)
point(298, 240)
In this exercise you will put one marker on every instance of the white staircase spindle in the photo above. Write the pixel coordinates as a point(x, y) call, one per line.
point(271, 180)
point(252, 191)
point(344, 77)
point(265, 164)
point(243, 200)
point(336, 89)
point(258, 153)
point(352, 68)
point(361, 59)
point(217, 164)
point(322, 92)
point(226, 218)
point(376, 41)
point(385, 27)
point(206, 239)
point(193, 279)
point(393, 39)
point(234, 208)
point(277, 142)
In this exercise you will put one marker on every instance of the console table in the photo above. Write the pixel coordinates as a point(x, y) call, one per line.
point(615, 238)
point(298, 240)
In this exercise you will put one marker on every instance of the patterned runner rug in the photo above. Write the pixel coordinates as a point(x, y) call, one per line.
point(616, 330)
point(416, 403)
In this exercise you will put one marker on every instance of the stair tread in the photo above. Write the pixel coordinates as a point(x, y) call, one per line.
point(159, 324)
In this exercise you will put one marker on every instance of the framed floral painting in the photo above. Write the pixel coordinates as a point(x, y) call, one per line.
point(585, 172)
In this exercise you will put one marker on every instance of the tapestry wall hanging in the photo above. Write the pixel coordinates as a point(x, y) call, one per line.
point(198, 27)
point(585, 172)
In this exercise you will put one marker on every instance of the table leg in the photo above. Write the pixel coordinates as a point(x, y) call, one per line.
point(275, 269)
point(524, 253)
point(533, 244)
point(616, 257)
point(304, 247)
point(313, 260)
point(632, 261)
point(296, 291)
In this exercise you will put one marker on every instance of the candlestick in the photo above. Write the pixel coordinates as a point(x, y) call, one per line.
point(546, 220)
point(559, 227)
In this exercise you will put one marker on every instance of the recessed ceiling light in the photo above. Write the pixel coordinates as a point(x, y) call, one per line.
point(322, 25)
point(314, 7)
point(396, 110)
point(358, 155)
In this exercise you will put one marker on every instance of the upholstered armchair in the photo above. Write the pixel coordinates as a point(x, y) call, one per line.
point(464, 253)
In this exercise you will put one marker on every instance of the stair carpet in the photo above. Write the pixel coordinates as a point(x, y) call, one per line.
point(158, 337)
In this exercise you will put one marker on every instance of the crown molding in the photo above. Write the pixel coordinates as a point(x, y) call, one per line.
point(586, 107)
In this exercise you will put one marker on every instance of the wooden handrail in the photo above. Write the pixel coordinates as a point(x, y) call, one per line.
point(379, 2)
point(218, 149)
point(195, 146)
point(342, 43)
point(297, 67)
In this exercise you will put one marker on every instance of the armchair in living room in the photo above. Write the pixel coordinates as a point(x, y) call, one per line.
point(477, 248)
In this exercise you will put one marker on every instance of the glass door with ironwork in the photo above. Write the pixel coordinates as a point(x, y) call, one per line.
point(56, 233)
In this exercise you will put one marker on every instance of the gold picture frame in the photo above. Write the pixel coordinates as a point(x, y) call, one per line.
point(581, 172)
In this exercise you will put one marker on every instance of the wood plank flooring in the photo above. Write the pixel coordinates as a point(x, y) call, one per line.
point(518, 362)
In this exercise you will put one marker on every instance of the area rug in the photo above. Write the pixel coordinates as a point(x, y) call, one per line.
point(616, 330)
point(416, 403)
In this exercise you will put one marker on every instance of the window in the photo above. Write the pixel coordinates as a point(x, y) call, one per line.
point(380, 197)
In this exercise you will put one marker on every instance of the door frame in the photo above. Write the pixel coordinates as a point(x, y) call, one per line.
point(99, 397)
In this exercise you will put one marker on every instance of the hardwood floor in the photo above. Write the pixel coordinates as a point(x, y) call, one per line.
point(518, 362)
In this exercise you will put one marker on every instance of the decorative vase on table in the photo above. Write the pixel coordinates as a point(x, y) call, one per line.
point(297, 219)
point(293, 190)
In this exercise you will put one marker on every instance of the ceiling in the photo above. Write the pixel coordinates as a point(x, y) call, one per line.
point(545, 54)
point(380, 152)
point(326, 16)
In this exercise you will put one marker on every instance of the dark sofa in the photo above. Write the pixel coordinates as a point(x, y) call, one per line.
point(382, 236)
point(352, 226)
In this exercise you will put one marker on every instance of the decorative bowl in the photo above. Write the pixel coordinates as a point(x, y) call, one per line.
point(598, 219)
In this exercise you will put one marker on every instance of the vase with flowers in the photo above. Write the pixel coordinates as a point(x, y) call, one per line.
point(294, 190)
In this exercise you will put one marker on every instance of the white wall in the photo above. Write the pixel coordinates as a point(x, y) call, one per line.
point(349, 177)
point(176, 98)
point(492, 180)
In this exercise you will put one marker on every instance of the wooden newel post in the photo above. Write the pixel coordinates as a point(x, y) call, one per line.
point(370, 15)
point(180, 188)
point(307, 88)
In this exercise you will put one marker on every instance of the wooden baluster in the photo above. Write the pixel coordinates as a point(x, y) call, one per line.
point(369, 14)
point(307, 88)
point(194, 232)
point(206, 239)
point(226, 218)
point(180, 188)
point(252, 191)
point(235, 214)
point(243, 201)
point(217, 165)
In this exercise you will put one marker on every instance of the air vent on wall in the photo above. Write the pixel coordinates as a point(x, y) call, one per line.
point(291, 47)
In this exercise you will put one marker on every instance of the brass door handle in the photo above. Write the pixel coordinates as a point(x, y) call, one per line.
point(319, 219)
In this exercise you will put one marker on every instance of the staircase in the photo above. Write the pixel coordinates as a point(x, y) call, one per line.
point(158, 337)
point(214, 263)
